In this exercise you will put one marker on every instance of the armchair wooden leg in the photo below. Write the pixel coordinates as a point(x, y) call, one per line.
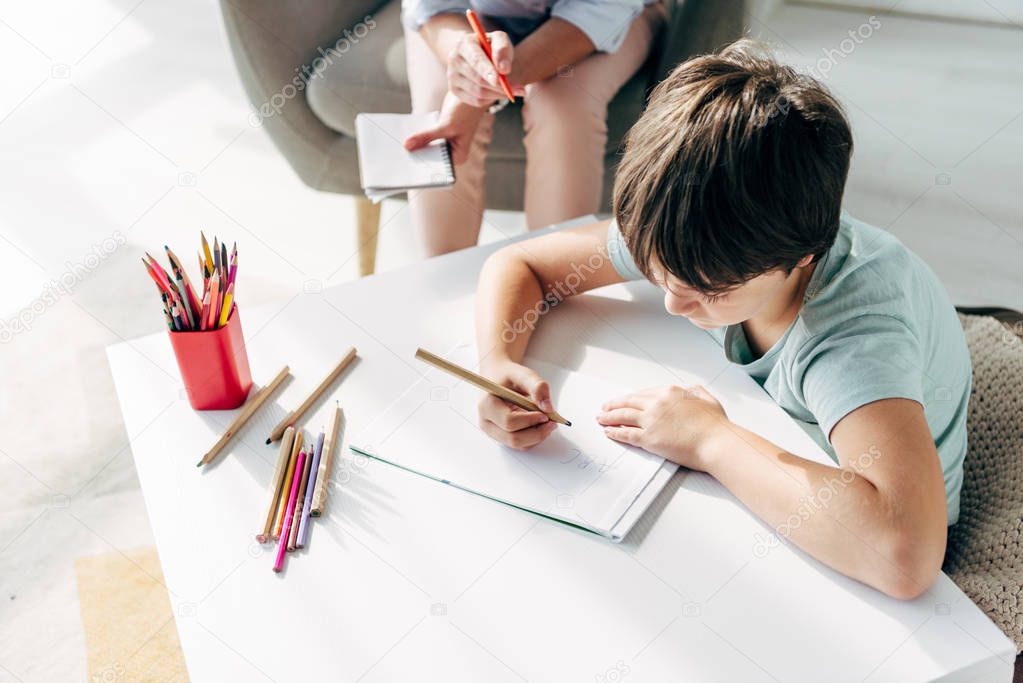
point(368, 222)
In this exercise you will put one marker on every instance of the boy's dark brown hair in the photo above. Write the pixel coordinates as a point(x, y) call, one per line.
point(735, 169)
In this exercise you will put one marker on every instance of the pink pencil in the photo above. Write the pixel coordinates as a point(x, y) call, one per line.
point(282, 544)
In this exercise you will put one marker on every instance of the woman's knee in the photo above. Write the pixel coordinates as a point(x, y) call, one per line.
point(564, 108)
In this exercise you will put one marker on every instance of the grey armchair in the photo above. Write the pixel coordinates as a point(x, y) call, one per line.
point(311, 121)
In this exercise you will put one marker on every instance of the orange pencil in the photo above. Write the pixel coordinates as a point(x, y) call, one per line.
point(211, 322)
point(485, 44)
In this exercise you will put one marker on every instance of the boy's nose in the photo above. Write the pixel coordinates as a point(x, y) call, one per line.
point(679, 306)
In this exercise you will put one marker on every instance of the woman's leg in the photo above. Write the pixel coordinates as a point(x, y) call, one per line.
point(565, 119)
point(447, 219)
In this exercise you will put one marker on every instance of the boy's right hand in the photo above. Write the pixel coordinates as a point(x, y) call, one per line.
point(508, 423)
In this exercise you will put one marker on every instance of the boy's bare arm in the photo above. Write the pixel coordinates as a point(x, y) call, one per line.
point(516, 279)
point(879, 518)
point(510, 300)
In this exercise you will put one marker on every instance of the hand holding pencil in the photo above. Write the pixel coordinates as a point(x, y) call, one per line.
point(479, 79)
point(516, 409)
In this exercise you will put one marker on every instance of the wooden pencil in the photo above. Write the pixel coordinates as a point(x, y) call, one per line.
point(298, 412)
point(296, 448)
point(485, 384)
point(299, 499)
point(276, 484)
point(326, 463)
point(250, 408)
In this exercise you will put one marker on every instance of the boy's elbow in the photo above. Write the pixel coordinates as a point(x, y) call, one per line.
point(501, 258)
point(913, 565)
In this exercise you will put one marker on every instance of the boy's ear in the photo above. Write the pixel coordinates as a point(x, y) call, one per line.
point(805, 261)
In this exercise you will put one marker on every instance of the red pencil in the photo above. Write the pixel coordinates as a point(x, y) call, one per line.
point(156, 278)
point(485, 44)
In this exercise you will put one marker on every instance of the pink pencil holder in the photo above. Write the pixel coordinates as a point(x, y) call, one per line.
point(214, 365)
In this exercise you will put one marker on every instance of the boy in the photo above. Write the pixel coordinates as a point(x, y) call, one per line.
point(728, 197)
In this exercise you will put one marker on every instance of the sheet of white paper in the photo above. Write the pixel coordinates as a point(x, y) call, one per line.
point(577, 474)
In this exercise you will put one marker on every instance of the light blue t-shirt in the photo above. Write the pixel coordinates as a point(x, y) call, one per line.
point(875, 323)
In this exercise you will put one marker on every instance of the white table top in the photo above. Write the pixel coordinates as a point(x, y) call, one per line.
point(406, 579)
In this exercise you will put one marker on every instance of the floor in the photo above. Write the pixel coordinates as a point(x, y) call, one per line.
point(123, 127)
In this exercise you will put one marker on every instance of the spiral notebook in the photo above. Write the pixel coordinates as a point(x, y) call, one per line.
point(387, 168)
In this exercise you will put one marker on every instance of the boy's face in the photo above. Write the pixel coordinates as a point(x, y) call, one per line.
point(737, 305)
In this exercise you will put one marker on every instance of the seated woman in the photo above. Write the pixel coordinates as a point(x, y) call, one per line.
point(569, 59)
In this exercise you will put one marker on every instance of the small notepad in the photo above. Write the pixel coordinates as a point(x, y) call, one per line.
point(385, 165)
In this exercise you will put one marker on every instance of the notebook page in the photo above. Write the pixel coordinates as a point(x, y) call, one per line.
point(384, 163)
point(577, 474)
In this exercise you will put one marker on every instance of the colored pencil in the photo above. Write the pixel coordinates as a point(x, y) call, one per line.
point(307, 501)
point(296, 448)
point(277, 483)
point(248, 411)
point(211, 322)
point(481, 36)
point(154, 276)
point(159, 271)
point(234, 263)
point(282, 544)
point(205, 314)
point(485, 384)
point(183, 296)
point(221, 292)
point(298, 412)
point(206, 251)
point(300, 502)
point(193, 300)
point(176, 317)
point(225, 309)
point(326, 462)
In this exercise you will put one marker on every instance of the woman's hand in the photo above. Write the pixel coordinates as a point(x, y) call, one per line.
point(456, 123)
point(673, 422)
point(507, 423)
point(471, 76)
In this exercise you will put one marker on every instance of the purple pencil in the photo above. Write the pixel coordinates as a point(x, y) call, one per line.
point(282, 544)
point(303, 526)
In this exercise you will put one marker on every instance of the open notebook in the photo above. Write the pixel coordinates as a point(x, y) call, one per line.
point(577, 476)
point(387, 168)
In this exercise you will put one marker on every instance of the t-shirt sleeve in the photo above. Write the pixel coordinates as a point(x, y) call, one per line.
point(862, 360)
point(418, 12)
point(621, 259)
point(605, 22)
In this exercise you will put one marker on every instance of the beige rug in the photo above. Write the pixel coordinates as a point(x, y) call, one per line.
point(126, 614)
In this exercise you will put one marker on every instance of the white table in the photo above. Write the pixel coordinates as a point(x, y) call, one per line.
point(406, 579)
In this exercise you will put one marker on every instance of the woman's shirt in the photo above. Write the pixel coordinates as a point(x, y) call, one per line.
point(605, 22)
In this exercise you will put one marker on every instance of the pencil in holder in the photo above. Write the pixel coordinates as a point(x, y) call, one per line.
point(214, 365)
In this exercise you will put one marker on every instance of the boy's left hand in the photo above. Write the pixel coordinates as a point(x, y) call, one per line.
point(673, 422)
